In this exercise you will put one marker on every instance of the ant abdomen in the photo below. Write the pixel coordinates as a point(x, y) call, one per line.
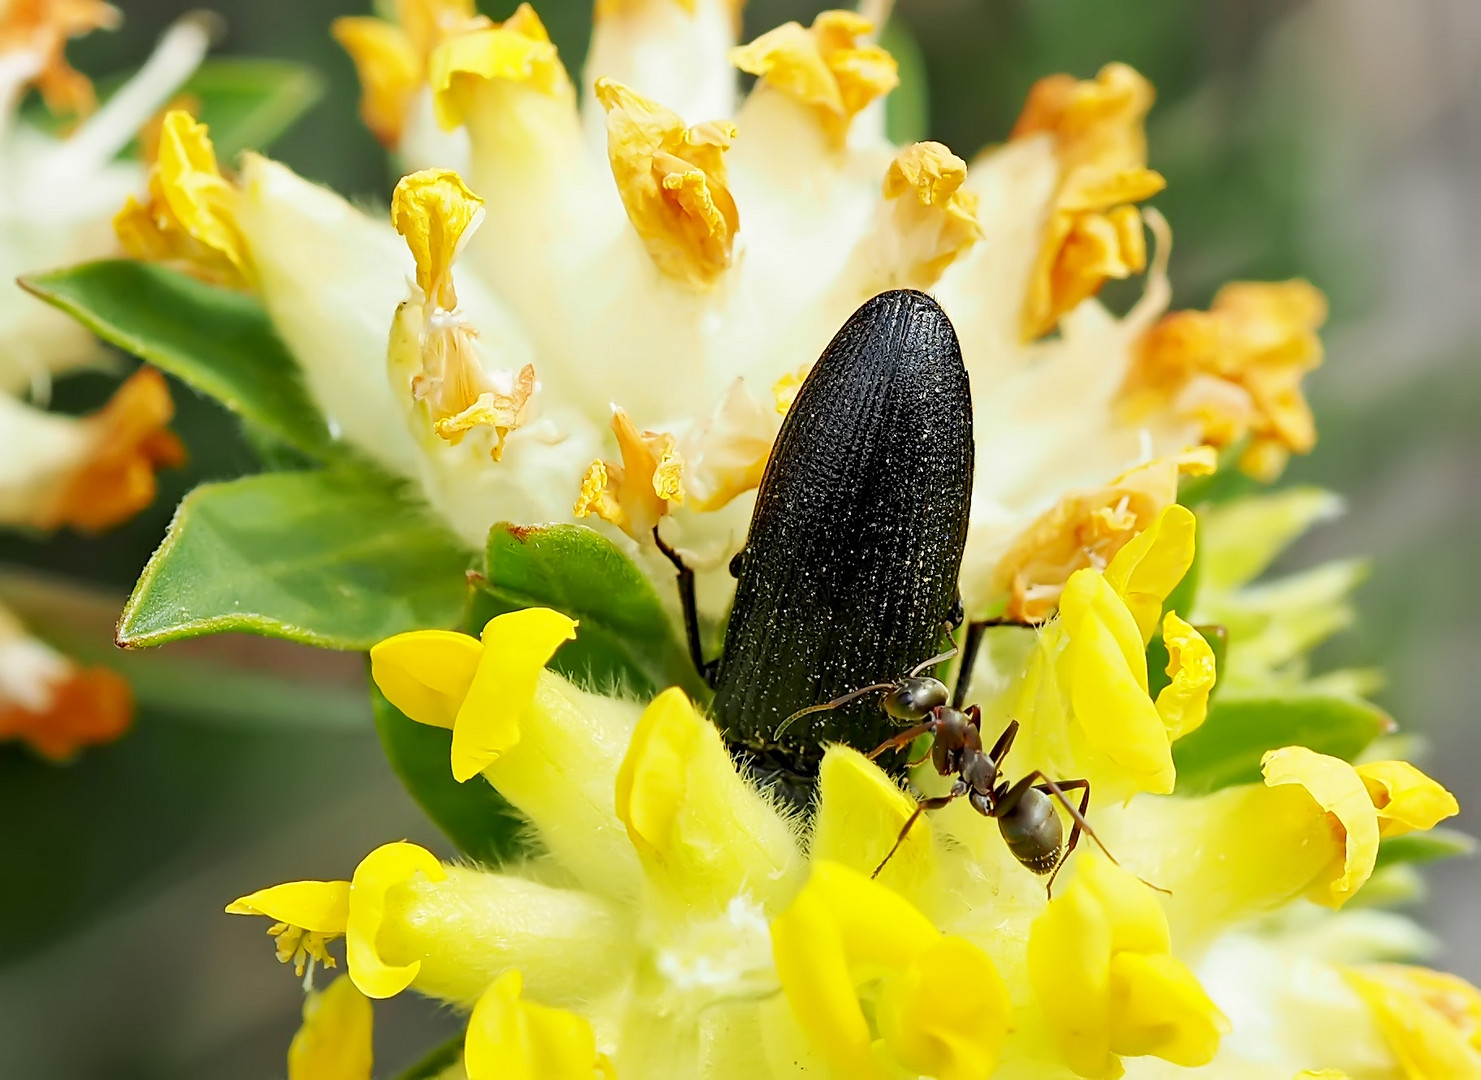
point(914, 697)
point(1033, 832)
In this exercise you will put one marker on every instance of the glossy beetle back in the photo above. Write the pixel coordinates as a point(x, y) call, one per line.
point(849, 572)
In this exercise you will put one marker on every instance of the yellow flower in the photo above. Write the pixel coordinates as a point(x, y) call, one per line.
point(672, 182)
point(1432, 1020)
point(1236, 370)
point(680, 926)
point(334, 1041)
point(1094, 230)
point(1101, 965)
point(637, 493)
point(1087, 529)
point(190, 215)
point(843, 931)
point(513, 1039)
point(307, 916)
point(828, 67)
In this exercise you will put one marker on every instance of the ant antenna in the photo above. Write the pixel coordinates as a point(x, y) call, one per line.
point(854, 695)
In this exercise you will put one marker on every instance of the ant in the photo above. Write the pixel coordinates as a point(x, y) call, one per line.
point(1023, 810)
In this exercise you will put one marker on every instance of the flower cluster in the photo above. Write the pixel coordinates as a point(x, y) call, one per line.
point(57, 198)
point(664, 258)
point(676, 923)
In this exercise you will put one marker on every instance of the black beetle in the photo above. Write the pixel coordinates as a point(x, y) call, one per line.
point(850, 566)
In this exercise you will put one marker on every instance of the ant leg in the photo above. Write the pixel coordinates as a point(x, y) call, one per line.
point(1050, 787)
point(1005, 742)
point(902, 739)
point(920, 808)
point(705, 668)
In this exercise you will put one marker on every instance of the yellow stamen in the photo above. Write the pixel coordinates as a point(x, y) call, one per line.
point(637, 493)
point(829, 67)
point(43, 28)
point(1236, 370)
point(1093, 232)
point(672, 182)
point(190, 214)
point(932, 221)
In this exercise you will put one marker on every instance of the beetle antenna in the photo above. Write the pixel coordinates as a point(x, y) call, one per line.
point(852, 695)
point(939, 658)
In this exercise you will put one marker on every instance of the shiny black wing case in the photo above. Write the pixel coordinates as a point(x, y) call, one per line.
point(849, 572)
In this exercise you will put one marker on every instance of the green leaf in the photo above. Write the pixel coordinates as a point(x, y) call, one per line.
point(625, 639)
point(473, 815)
point(217, 341)
point(248, 103)
point(1423, 847)
point(330, 558)
point(1227, 749)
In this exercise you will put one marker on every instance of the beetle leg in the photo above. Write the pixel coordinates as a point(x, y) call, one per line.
point(957, 790)
point(706, 668)
point(903, 739)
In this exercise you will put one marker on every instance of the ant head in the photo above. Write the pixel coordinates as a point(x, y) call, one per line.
point(912, 699)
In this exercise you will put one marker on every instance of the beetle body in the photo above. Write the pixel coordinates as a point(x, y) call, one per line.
point(850, 566)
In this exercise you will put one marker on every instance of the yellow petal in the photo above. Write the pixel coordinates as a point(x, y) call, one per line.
point(840, 930)
point(1107, 683)
point(1101, 967)
point(1183, 703)
point(191, 212)
point(726, 456)
point(390, 71)
point(673, 184)
point(1092, 233)
point(516, 648)
point(928, 221)
point(510, 1038)
point(1430, 1019)
point(826, 67)
point(635, 494)
point(1069, 967)
point(436, 213)
point(1158, 1008)
point(956, 1036)
point(320, 906)
point(860, 814)
point(517, 51)
point(1348, 819)
point(1406, 799)
point(703, 834)
point(334, 1042)
point(385, 868)
point(1147, 569)
point(426, 673)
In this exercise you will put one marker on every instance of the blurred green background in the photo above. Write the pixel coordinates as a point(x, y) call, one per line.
point(1335, 139)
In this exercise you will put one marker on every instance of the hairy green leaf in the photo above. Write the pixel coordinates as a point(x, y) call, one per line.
point(626, 637)
point(1227, 749)
point(217, 341)
point(474, 816)
point(334, 558)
